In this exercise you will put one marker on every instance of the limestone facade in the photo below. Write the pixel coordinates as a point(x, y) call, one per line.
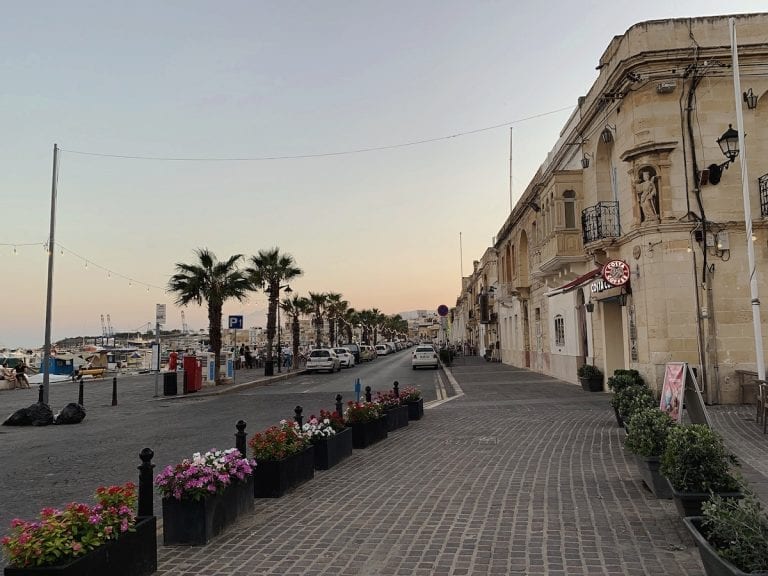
point(633, 177)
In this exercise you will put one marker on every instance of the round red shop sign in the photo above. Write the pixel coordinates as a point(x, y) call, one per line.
point(616, 272)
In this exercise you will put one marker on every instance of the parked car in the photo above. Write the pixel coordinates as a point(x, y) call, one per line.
point(367, 353)
point(355, 349)
point(346, 358)
point(424, 355)
point(382, 349)
point(323, 359)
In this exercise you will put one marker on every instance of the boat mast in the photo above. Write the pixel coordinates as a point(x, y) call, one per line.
point(49, 291)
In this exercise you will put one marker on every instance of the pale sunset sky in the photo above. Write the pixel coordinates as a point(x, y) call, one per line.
point(236, 87)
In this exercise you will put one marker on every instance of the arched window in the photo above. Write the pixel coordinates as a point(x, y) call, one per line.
point(569, 202)
point(559, 331)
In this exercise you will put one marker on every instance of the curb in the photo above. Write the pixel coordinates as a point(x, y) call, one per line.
point(232, 388)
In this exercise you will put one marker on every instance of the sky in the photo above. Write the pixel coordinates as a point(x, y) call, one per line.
point(274, 109)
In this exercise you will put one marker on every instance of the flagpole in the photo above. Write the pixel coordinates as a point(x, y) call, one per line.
point(49, 290)
point(755, 298)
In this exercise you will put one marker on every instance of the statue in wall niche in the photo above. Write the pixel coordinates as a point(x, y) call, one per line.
point(648, 194)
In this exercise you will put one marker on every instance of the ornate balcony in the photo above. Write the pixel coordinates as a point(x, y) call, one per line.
point(762, 184)
point(600, 221)
point(560, 248)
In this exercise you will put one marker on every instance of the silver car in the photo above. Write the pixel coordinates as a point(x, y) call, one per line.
point(323, 359)
point(346, 358)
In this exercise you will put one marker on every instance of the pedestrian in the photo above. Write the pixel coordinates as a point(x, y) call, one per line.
point(248, 358)
point(21, 377)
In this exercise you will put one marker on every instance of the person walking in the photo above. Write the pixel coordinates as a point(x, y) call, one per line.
point(21, 378)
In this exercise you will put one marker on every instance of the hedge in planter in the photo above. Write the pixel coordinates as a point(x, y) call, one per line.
point(84, 540)
point(590, 377)
point(646, 439)
point(629, 400)
point(697, 464)
point(732, 536)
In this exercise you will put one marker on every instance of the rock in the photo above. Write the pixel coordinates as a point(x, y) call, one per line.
point(40, 414)
point(72, 413)
point(18, 418)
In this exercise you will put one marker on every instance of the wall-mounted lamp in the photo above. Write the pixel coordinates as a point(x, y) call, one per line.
point(607, 134)
point(590, 306)
point(585, 160)
point(729, 145)
point(751, 99)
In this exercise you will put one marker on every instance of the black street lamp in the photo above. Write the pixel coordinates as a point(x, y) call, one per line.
point(729, 145)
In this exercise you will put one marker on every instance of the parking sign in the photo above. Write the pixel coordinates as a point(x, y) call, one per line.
point(236, 322)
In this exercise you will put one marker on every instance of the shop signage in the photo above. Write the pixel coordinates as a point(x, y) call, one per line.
point(616, 272)
point(599, 285)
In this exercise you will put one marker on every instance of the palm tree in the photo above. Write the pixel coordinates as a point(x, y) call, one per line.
point(214, 282)
point(335, 307)
point(269, 269)
point(295, 306)
point(349, 319)
point(319, 301)
point(367, 320)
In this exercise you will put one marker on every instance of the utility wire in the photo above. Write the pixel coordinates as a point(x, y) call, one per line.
point(320, 154)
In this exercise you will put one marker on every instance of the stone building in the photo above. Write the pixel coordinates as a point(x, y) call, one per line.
point(638, 179)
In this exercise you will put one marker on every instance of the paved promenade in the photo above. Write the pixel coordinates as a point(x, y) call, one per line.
point(521, 474)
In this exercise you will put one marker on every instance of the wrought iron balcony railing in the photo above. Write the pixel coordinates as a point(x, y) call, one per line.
point(600, 221)
point(762, 184)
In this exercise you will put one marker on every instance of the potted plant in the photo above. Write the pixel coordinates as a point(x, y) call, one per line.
point(331, 439)
point(204, 494)
point(285, 458)
point(697, 464)
point(411, 397)
point(646, 439)
point(368, 423)
point(81, 539)
point(629, 400)
point(396, 412)
point(732, 536)
point(624, 378)
point(591, 378)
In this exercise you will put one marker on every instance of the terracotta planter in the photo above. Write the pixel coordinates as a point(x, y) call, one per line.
point(397, 418)
point(332, 450)
point(132, 554)
point(196, 522)
point(273, 478)
point(652, 478)
point(366, 433)
point(714, 565)
point(415, 409)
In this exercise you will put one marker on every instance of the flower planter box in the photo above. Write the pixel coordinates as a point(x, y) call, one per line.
point(397, 418)
point(652, 478)
point(366, 433)
point(273, 478)
point(689, 503)
point(592, 384)
point(332, 450)
point(196, 522)
point(415, 409)
point(132, 554)
point(714, 565)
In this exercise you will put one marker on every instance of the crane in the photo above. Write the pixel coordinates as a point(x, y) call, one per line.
point(103, 327)
point(110, 332)
point(184, 327)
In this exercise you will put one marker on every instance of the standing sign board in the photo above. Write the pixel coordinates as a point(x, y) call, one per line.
point(160, 313)
point(680, 389)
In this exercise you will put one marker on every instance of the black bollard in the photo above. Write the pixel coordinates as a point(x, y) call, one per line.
point(40, 394)
point(146, 487)
point(367, 393)
point(299, 419)
point(114, 391)
point(339, 406)
point(80, 399)
point(240, 437)
point(396, 388)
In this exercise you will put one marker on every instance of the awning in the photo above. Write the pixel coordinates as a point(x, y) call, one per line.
point(580, 281)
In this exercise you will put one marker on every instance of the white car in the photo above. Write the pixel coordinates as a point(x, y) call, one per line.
point(424, 355)
point(346, 358)
point(323, 359)
point(382, 349)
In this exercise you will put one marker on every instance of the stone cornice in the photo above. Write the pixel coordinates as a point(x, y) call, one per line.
point(648, 148)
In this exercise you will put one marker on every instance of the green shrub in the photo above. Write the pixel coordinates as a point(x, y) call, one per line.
point(589, 371)
point(738, 530)
point(621, 381)
point(629, 400)
point(647, 433)
point(695, 460)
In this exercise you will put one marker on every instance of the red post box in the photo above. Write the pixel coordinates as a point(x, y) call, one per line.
point(193, 374)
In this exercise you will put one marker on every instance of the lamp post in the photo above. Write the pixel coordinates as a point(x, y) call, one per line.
point(287, 290)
